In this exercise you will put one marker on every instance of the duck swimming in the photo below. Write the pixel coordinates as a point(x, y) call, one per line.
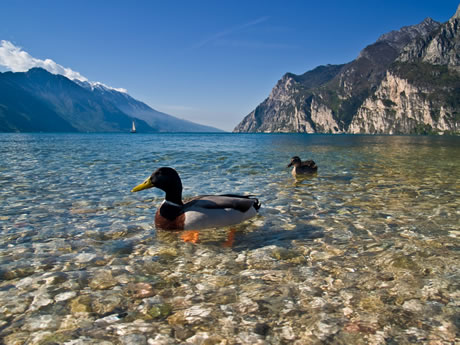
point(200, 212)
point(302, 168)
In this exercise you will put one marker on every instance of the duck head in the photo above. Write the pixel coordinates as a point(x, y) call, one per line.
point(295, 161)
point(166, 179)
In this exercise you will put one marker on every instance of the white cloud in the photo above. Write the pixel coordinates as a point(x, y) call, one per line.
point(15, 59)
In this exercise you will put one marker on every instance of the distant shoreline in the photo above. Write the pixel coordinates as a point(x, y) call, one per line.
point(254, 133)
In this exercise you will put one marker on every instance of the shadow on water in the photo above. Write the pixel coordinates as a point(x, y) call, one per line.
point(338, 178)
point(280, 238)
point(240, 238)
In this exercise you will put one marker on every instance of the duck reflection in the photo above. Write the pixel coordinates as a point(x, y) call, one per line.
point(225, 238)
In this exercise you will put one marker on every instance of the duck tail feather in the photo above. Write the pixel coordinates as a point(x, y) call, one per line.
point(257, 203)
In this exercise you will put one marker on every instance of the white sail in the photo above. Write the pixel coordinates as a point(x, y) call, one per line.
point(133, 129)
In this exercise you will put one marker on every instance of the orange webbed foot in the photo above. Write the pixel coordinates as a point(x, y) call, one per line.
point(230, 239)
point(190, 236)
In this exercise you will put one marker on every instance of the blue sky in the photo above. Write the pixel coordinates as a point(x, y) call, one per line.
point(211, 62)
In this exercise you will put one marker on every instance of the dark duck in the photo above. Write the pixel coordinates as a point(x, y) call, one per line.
point(302, 168)
point(200, 212)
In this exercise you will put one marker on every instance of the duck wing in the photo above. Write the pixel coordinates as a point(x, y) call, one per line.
point(241, 203)
point(309, 164)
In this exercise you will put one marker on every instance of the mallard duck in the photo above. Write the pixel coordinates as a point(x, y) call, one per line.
point(200, 212)
point(302, 168)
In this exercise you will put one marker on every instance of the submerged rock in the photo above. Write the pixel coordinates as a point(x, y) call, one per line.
point(102, 280)
point(42, 322)
point(81, 304)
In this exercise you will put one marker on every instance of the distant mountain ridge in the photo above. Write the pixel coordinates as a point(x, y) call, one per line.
point(386, 89)
point(162, 122)
point(37, 100)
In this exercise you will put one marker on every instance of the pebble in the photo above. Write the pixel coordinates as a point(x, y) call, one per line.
point(65, 296)
point(196, 313)
point(131, 339)
point(42, 322)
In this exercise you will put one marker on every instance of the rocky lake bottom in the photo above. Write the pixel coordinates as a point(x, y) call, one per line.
point(364, 252)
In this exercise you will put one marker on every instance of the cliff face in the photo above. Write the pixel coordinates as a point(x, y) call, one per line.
point(441, 47)
point(400, 107)
point(421, 90)
point(292, 105)
point(406, 82)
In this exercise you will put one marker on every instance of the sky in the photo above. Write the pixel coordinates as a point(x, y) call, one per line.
point(211, 62)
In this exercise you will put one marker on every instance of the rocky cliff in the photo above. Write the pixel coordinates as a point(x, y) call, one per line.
point(292, 105)
point(406, 82)
point(401, 107)
point(421, 90)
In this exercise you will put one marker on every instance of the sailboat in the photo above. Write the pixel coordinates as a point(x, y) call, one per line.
point(133, 129)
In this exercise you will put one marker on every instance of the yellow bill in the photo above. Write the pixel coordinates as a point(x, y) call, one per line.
point(144, 185)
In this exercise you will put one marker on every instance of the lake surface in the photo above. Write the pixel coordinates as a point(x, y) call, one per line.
point(364, 252)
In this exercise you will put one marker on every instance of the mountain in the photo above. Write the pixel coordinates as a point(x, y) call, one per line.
point(159, 121)
point(37, 100)
point(405, 82)
point(77, 109)
point(21, 111)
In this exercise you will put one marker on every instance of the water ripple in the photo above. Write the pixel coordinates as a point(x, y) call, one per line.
point(365, 251)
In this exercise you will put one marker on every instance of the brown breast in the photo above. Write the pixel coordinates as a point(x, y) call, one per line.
point(166, 224)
